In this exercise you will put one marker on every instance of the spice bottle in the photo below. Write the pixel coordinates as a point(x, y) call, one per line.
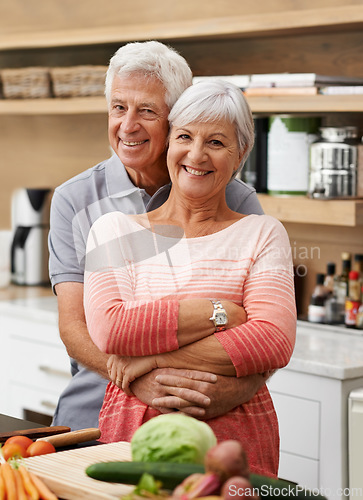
point(352, 302)
point(330, 277)
point(316, 310)
point(341, 289)
point(358, 263)
point(359, 319)
point(358, 266)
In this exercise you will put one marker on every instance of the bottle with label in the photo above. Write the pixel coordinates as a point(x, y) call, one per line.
point(316, 310)
point(359, 319)
point(330, 277)
point(342, 282)
point(341, 285)
point(352, 301)
point(358, 266)
point(358, 263)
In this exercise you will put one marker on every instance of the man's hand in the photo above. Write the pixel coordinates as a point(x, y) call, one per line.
point(199, 394)
point(224, 395)
point(185, 390)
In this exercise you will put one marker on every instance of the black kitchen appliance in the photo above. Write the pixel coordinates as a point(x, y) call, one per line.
point(30, 226)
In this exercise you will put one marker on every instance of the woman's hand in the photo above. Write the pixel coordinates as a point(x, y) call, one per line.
point(123, 370)
point(236, 314)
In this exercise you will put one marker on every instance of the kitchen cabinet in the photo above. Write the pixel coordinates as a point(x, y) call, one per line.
point(311, 400)
point(35, 365)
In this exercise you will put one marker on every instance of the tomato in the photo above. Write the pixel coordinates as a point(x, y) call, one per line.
point(40, 448)
point(22, 440)
point(14, 450)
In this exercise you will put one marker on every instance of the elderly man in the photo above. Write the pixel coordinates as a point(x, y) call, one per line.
point(143, 82)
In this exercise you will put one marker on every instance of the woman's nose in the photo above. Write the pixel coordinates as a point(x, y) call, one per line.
point(197, 153)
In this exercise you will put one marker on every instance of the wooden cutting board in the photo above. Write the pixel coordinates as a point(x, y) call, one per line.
point(64, 472)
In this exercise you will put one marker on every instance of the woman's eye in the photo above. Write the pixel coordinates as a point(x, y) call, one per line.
point(216, 142)
point(183, 136)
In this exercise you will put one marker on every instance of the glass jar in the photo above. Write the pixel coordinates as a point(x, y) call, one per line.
point(288, 143)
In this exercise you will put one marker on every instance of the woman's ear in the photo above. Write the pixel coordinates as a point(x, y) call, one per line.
point(242, 153)
point(240, 156)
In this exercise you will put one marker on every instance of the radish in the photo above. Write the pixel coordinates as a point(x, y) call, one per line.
point(227, 459)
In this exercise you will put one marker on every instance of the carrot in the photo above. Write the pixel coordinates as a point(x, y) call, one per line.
point(2, 486)
point(43, 490)
point(27, 482)
point(9, 480)
point(19, 486)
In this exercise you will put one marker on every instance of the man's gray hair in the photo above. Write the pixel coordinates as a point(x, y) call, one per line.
point(153, 59)
point(214, 100)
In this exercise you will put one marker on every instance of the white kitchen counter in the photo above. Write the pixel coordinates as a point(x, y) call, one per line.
point(329, 351)
point(43, 309)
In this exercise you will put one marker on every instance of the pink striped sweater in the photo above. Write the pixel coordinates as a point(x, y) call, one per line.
point(134, 279)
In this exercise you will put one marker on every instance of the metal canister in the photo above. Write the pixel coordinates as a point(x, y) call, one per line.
point(333, 163)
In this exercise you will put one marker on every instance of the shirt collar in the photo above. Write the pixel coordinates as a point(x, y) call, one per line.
point(116, 178)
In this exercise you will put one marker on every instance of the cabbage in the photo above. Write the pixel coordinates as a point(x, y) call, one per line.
point(172, 437)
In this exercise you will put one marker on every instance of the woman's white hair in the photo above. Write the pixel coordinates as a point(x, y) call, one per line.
point(151, 59)
point(213, 100)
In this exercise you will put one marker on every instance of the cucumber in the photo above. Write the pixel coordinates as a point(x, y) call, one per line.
point(269, 488)
point(170, 474)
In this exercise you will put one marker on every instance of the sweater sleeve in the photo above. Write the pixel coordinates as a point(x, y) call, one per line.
point(266, 341)
point(117, 323)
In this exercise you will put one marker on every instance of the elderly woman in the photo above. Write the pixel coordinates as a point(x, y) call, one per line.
point(172, 288)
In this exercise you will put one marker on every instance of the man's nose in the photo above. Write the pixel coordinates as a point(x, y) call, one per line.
point(130, 122)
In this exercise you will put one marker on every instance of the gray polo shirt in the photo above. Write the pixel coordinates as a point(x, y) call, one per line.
point(76, 204)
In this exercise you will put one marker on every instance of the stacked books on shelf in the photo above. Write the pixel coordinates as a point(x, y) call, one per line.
point(242, 81)
point(301, 84)
point(283, 84)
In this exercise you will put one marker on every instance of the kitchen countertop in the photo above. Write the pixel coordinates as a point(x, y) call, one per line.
point(325, 350)
point(10, 424)
point(13, 292)
point(42, 309)
point(329, 351)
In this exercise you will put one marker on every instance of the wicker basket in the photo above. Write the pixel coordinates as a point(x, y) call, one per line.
point(26, 83)
point(78, 81)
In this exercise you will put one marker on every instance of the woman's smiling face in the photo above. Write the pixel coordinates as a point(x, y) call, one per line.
point(202, 157)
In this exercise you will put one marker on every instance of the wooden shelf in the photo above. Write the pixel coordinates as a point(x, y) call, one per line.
point(307, 104)
point(313, 20)
point(300, 209)
point(278, 104)
point(75, 105)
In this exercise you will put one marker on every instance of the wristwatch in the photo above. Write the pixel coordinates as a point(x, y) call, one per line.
point(219, 316)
